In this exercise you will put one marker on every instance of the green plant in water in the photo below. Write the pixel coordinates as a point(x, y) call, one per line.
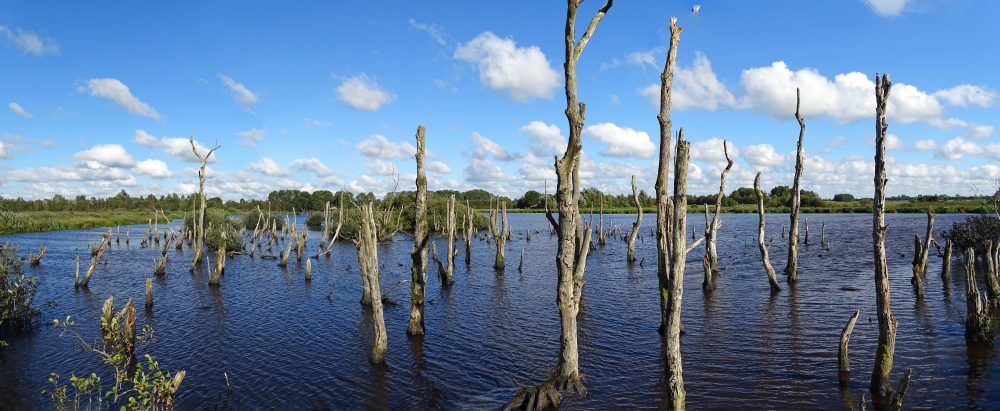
point(17, 292)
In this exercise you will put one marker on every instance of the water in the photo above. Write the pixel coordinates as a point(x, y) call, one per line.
point(287, 343)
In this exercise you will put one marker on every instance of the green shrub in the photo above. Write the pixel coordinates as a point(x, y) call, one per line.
point(17, 292)
point(974, 232)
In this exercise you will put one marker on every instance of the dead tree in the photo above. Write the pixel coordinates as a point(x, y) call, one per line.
point(35, 259)
point(921, 250)
point(601, 235)
point(792, 265)
point(469, 225)
point(771, 276)
point(880, 386)
point(573, 239)
point(220, 261)
point(678, 252)
point(992, 275)
point(946, 260)
point(199, 223)
point(977, 318)
point(336, 233)
point(845, 338)
point(96, 254)
point(501, 232)
point(418, 270)
point(446, 275)
point(711, 259)
point(149, 293)
point(904, 383)
point(634, 232)
point(368, 263)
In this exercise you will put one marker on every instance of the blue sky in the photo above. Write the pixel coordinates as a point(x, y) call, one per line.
point(99, 97)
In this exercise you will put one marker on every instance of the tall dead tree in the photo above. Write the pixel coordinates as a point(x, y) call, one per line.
point(678, 252)
point(601, 234)
point(634, 232)
point(792, 265)
point(501, 232)
point(199, 223)
point(418, 271)
point(368, 264)
point(664, 205)
point(711, 260)
point(771, 276)
point(978, 327)
point(880, 386)
point(573, 239)
point(468, 224)
point(446, 275)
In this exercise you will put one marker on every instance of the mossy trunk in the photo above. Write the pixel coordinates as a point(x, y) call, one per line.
point(368, 263)
point(664, 205)
point(418, 269)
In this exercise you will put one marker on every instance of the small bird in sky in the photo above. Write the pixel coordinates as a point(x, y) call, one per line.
point(695, 8)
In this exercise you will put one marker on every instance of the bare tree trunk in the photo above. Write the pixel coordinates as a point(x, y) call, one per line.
point(771, 276)
point(635, 226)
point(946, 260)
point(664, 205)
point(573, 240)
point(845, 339)
point(792, 265)
point(992, 257)
point(199, 223)
point(601, 237)
point(149, 293)
point(921, 251)
point(500, 232)
point(220, 261)
point(678, 252)
point(336, 233)
point(897, 400)
point(418, 271)
point(446, 278)
point(711, 260)
point(880, 386)
point(368, 262)
point(469, 224)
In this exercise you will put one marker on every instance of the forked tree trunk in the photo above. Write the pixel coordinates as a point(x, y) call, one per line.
point(500, 232)
point(921, 251)
point(792, 265)
point(634, 232)
point(368, 263)
point(199, 223)
point(992, 276)
point(678, 252)
point(418, 270)
point(573, 239)
point(880, 386)
point(772, 278)
point(711, 260)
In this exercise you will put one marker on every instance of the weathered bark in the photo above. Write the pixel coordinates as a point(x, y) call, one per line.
point(772, 278)
point(35, 259)
point(678, 252)
point(292, 227)
point(467, 221)
point(336, 233)
point(792, 264)
point(95, 258)
point(500, 232)
point(601, 235)
point(368, 263)
point(822, 239)
point(446, 275)
point(664, 206)
point(418, 269)
point(711, 260)
point(880, 386)
point(992, 276)
point(978, 327)
point(199, 226)
point(845, 338)
point(921, 250)
point(149, 293)
point(946, 260)
point(76, 277)
point(309, 269)
point(918, 284)
point(807, 231)
point(573, 239)
point(634, 232)
point(220, 261)
point(897, 400)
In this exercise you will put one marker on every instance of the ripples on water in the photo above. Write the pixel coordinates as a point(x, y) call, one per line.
point(288, 343)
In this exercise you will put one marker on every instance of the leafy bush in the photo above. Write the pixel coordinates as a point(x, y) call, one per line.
point(17, 292)
point(217, 221)
point(974, 232)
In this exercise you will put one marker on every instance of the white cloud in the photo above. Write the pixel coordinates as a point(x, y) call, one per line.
point(153, 168)
point(537, 168)
point(967, 95)
point(313, 123)
point(363, 93)
point(116, 91)
point(268, 167)
point(16, 108)
point(546, 139)
point(887, 8)
point(772, 90)
point(762, 155)
point(109, 155)
point(242, 95)
point(251, 137)
point(482, 170)
point(377, 146)
point(957, 148)
point(486, 148)
point(980, 131)
point(694, 87)
point(29, 42)
point(893, 142)
point(174, 146)
point(925, 145)
point(379, 167)
point(433, 30)
point(711, 150)
point(313, 165)
point(438, 167)
point(523, 73)
point(621, 141)
point(4, 151)
point(908, 104)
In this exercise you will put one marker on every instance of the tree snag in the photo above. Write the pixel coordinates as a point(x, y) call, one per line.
point(921, 250)
point(978, 327)
point(199, 226)
point(678, 252)
point(446, 275)
point(792, 265)
point(880, 386)
point(368, 263)
point(418, 270)
point(711, 259)
point(845, 338)
point(771, 276)
point(500, 232)
point(634, 232)
point(664, 205)
point(573, 239)
point(467, 221)
point(946, 260)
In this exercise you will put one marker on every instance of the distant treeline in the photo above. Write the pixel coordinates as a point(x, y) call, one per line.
point(304, 201)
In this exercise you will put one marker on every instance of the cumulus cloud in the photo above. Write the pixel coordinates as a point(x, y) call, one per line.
point(925, 145)
point(694, 87)
point(957, 148)
point(635, 58)
point(980, 131)
point(108, 155)
point(523, 73)
point(762, 155)
point(711, 150)
point(893, 142)
point(153, 168)
point(174, 146)
point(887, 8)
point(377, 146)
point(251, 137)
point(438, 167)
point(268, 167)
point(29, 41)
point(4, 151)
point(967, 95)
point(489, 148)
point(363, 93)
point(621, 141)
point(313, 165)
point(483, 170)
point(545, 139)
point(116, 91)
point(241, 95)
point(17, 109)
point(379, 167)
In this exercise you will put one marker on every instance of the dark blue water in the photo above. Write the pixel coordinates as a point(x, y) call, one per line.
point(286, 343)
